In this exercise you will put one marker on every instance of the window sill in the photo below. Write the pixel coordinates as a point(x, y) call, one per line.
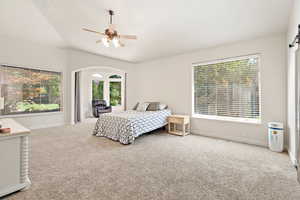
point(32, 114)
point(228, 119)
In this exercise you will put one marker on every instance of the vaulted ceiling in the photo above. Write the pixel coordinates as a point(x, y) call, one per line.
point(163, 27)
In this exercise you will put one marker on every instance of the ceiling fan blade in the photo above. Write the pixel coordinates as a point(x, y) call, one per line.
point(89, 30)
point(131, 37)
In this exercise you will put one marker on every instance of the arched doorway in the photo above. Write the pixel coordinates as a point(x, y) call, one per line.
point(105, 83)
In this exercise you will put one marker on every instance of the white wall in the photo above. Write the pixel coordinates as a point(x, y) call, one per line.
point(291, 117)
point(169, 80)
point(27, 54)
point(80, 60)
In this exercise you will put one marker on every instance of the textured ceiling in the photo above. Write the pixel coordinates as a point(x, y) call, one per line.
point(163, 28)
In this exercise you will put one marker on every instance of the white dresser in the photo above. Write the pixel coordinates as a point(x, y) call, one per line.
point(14, 152)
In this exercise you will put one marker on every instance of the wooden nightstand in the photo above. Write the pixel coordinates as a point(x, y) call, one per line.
point(182, 120)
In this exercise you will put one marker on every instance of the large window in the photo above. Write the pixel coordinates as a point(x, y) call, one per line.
point(228, 89)
point(115, 93)
point(109, 87)
point(29, 90)
point(98, 89)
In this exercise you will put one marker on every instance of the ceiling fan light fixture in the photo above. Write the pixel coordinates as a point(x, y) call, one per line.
point(116, 42)
point(111, 35)
point(105, 42)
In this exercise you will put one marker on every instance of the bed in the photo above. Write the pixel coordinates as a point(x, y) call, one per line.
point(125, 126)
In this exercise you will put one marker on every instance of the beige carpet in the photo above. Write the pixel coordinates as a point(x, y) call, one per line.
point(70, 163)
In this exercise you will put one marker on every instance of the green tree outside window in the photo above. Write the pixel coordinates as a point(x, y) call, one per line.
point(97, 87)
point(115, 93)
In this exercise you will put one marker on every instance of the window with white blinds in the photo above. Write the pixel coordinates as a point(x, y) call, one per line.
point(228, 89)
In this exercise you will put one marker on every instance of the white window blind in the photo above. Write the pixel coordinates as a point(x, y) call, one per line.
point(228, 88)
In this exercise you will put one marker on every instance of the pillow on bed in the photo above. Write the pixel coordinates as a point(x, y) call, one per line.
point(142, 107)
point(156, 106)
point(163, 106)
point(153, 106)
point(136, 105)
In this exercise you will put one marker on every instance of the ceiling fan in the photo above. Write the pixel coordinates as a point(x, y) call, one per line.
point(111, 35)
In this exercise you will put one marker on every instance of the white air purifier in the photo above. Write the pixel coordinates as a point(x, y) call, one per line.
point(275, 136)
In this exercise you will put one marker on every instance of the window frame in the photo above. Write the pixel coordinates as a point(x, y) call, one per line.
point(102, 80)
point(38, 113)
point(121, 80)
point(226, 118)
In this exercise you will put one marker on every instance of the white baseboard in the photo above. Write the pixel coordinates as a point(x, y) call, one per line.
point(293, 159)
point(13, 188)
point(230, 138)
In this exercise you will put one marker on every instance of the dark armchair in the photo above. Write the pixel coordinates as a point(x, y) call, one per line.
point(100, 107)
